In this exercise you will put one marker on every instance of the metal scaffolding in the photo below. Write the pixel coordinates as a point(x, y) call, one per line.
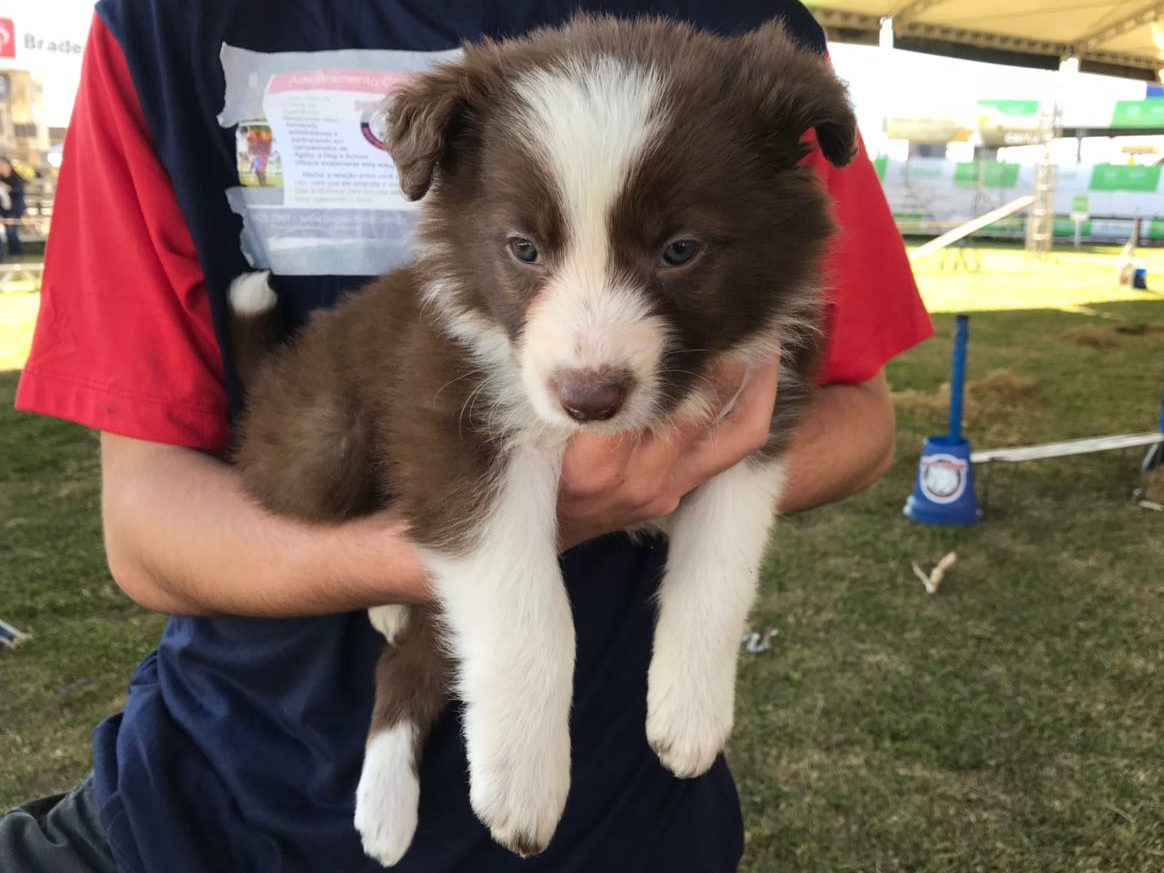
point(1041, 217)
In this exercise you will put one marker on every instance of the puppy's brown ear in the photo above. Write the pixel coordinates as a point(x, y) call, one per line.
point(426, 115)
point(799, 92)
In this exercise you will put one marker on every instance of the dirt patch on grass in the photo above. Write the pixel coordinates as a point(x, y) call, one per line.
point(1001, 393)
point(1138, 329)
point(1093, 336)
point(996, 404)
point(928, 406)
point(1108, 336)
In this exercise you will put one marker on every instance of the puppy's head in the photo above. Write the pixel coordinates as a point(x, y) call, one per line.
point(613, 204)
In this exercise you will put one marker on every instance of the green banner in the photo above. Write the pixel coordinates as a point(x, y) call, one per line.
point(1066, 227)
point(991, 174)
point(1138, 113)
point(1121, 177)
point(1010, 224)
point(881, 165)
point(1025, 108)
point(1156, 229)
point(1079, 203)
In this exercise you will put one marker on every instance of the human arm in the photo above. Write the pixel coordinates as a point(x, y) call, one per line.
point(844, 444)
point(182, 537)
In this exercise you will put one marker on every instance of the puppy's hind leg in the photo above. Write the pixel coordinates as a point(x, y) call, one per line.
point(412, 681)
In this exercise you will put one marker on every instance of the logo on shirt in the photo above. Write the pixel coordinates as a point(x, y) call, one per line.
point(7, 38)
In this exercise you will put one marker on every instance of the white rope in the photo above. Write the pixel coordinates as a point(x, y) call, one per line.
point(1067, 448)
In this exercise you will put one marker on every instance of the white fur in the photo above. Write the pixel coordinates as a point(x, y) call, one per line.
point(579, 325)
point(703, 405)
point(389, 620)
point(251, 294)
point(511, 630)
point(493, 356)
point(489, 344)
point(718, 539)
point(591, 124)
point(388, 795)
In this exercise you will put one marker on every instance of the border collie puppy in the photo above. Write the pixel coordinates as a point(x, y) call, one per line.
point(611, 208)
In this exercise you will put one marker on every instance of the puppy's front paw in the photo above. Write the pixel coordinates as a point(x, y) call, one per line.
point(518, 790)
point(689, 717)
point(388, 795)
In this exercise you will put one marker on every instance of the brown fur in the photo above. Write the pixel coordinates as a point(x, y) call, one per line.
point(370, 405)
point(417, 671)
point(374, 405)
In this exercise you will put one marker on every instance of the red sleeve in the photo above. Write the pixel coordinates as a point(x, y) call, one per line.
point(874, 311)
point(124, 341)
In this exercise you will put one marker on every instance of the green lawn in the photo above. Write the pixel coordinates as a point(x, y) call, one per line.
point(1012, 722)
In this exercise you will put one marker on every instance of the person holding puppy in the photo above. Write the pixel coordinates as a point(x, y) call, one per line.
point(242, 738)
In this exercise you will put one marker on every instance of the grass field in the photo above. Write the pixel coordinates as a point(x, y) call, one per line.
point(1012, 722)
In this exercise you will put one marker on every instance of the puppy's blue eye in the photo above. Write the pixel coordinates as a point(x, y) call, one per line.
point(524, 250)
point(679, 252)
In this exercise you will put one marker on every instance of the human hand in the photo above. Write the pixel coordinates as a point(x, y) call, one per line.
point(612, 483)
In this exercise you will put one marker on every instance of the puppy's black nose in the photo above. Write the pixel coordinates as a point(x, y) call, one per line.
point(588, 395)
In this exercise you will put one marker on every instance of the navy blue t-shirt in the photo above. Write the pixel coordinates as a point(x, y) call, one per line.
point(240, 745)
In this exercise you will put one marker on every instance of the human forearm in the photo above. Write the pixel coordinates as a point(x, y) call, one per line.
point(182, 537)
point(844, 445)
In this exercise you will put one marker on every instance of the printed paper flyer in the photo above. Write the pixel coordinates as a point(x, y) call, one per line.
point(318, 193)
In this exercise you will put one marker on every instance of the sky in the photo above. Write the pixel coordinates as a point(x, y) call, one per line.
point(49, 33)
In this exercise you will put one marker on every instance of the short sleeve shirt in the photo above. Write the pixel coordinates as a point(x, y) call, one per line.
point(241, 741)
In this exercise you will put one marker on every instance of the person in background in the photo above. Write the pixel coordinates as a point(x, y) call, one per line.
point(13, 184)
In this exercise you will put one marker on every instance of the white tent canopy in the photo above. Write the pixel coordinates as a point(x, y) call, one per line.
point(1121, 38)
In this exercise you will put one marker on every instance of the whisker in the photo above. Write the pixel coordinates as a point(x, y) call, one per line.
point(472, 372)
point(468, 404)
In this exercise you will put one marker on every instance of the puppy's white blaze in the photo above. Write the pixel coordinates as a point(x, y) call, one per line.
point(591, 123)
point(718, 538)
point(513, 636)
point(388, 794)
point(251, 294)
point(389, 620)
